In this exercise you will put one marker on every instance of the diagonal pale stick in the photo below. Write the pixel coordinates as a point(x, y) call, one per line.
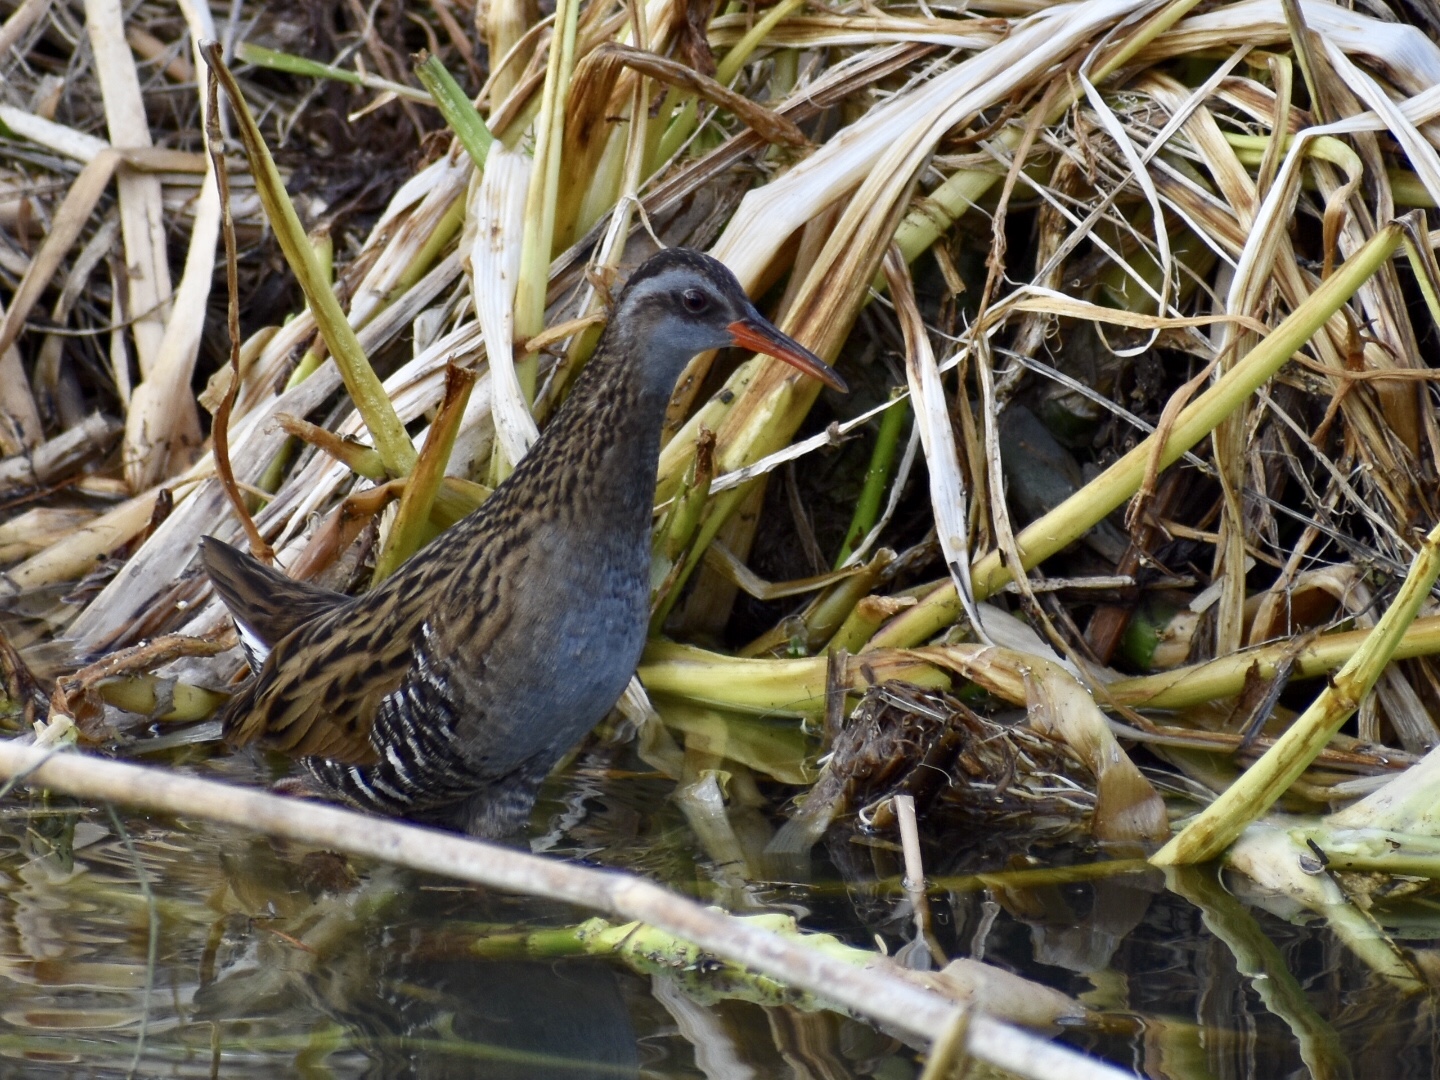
point(69, 219)
point(65, 141)
point(77, 553)
point(877, 992)
point(142, 223)
point(162, 424)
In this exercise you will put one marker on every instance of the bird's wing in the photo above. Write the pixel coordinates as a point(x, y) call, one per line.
point(320, 689)
point(265, 604)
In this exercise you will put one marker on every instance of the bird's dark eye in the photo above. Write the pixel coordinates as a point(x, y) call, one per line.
point(694, 300)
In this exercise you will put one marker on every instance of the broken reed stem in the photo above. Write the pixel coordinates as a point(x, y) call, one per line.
point(873, 992)
point(455, 106)
point(1225, 676)
point(910, 843)
point(412, 519)
point(1217, 826)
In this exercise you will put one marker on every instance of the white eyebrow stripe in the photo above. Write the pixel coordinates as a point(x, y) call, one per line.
point(670, 279)
point(664, 281)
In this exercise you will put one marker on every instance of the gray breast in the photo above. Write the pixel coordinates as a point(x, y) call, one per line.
point(566, 660)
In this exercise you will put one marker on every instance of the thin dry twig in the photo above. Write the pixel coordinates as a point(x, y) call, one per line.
point(220, 431)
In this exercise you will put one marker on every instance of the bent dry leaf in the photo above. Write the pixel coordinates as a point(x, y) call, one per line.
point(1128, 808)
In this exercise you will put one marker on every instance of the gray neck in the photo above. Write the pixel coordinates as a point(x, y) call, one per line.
point(597, 457)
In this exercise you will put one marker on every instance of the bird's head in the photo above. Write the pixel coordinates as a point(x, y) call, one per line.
point(680, 303)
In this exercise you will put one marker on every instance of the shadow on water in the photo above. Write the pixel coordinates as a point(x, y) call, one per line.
point(271, 960)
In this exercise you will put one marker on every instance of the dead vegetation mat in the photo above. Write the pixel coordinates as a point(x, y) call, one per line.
point(1096, 214)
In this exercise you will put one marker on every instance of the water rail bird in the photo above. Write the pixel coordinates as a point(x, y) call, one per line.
point(448, 692)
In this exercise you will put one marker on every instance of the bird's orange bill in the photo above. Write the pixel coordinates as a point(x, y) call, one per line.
point(756, 333)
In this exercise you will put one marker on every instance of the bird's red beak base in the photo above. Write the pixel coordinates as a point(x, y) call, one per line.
point(759, 335)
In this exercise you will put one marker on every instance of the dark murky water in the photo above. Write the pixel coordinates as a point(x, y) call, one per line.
point(271, 961)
